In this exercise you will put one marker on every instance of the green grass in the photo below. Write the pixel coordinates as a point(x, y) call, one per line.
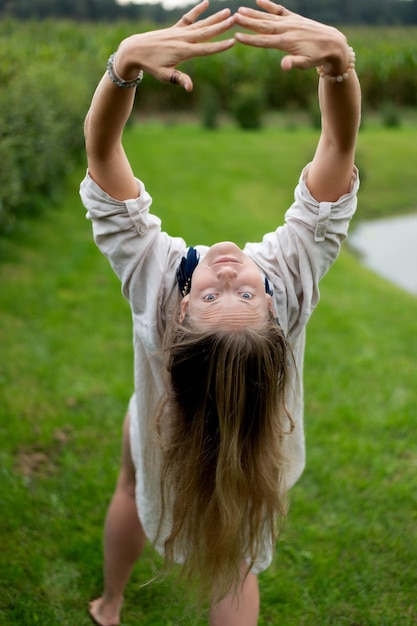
point(347, 556)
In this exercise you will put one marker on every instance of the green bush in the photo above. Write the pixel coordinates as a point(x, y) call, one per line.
point(47, 71)
point(248, 106)
point(209, 108)
point(314, 113)
point(391, 115)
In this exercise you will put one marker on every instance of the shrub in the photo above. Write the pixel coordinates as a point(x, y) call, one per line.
point(314, 113)
point(209, 108)
point(391, 116)
point(43, 101)
point(248, 106)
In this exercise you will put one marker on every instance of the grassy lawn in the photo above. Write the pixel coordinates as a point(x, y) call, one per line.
point(348, 553)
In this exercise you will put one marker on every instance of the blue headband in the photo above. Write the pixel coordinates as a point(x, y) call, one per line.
point(187, 267)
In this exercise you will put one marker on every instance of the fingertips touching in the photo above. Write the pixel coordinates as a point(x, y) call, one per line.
point(247, 12)
point(247, 39)
point(241, 36)
point(244, 19)
point(216, 28)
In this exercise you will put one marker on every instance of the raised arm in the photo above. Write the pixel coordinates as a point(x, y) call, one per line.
point(157, 53)
point(309, 44)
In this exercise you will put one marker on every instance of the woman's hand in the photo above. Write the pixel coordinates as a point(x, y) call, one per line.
point(159, 52)
point(306, 42)
point(311, 44)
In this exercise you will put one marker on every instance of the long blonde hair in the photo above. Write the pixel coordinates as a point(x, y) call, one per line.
point(221, 427)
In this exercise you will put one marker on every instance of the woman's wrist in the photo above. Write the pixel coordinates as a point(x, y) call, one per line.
point(339, 67)
point(125, 61)
point(114, 74)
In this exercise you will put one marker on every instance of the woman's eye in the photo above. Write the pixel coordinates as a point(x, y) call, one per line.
point(246, 295)
point(209, 296)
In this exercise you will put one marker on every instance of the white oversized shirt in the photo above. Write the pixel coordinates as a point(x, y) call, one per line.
point(294, 258)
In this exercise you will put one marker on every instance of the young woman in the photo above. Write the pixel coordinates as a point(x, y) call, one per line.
point(214, 438)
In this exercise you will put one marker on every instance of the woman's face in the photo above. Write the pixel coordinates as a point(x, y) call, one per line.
point(227, 289)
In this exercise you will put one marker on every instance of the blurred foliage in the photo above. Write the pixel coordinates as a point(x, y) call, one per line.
point(375, 12)
point(248, 106)
point(47, 74)
point(49, 69)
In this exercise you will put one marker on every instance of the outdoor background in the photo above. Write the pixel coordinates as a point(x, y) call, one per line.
point(221, 163)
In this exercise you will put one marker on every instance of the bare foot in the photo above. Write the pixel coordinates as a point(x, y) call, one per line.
point(104, 614)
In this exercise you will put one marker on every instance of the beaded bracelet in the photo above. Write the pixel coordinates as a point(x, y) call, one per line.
point(115, 78)
point(346, 73)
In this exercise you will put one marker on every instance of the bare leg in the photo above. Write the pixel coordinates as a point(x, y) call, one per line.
point(124, 541)
point(241, 609)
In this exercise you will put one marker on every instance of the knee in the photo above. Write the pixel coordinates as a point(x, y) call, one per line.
point(127, 475)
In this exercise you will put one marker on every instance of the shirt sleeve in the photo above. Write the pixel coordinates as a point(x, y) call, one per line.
point(143, 256)
point(298, 254)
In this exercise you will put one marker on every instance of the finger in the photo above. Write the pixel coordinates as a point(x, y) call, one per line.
point(204, 33)
point(253, 14)
point(175, 77)
point(274, 9)
point(267, 25)
point(258, 41)
point(191, 16)
point(216, 18)
point(214, 47)
point(184, 21)
point(271, 10)
point(264, 22)
point(290, 61)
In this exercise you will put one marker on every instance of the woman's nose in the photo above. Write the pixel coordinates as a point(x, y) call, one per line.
point(226, 272)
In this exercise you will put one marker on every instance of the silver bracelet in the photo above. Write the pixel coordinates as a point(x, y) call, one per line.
point(115, 78)
point(346, 73)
